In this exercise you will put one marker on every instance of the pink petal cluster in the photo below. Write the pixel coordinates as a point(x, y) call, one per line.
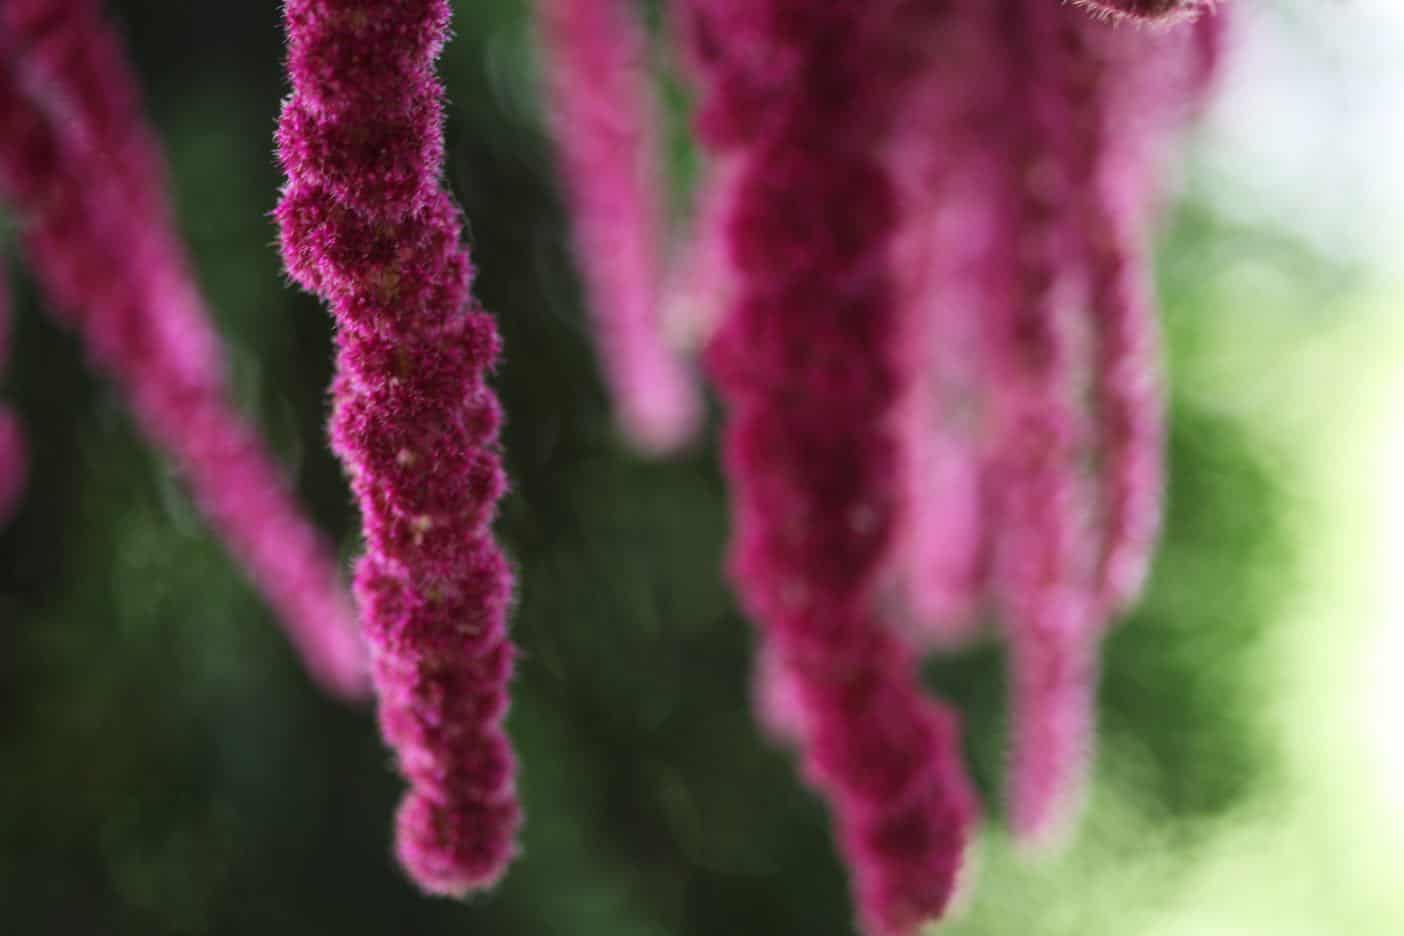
point(85, 178)
point(367, 225)
point(597, 83)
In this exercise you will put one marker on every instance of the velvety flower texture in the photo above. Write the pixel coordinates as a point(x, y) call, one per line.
point(597, 80)
point(85, 178)
point(367, 225)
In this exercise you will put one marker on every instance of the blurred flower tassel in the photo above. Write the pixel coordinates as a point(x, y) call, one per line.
point(604, 121)
point(85, 179)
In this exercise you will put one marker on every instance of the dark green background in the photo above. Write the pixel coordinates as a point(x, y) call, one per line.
point(166, 769)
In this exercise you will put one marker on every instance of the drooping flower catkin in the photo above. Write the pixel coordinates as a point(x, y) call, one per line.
point(367, 225)
point(948, 225)
point(1100, 108)
point(806, 360)
point(604, 123)
point(1044, 555)
point(85, 178)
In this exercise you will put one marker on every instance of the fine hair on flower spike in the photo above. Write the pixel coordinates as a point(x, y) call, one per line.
point(1149, 11)
point(367, 225)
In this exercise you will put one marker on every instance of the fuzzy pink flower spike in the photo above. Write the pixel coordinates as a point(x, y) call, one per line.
point(948, 227)
point(86, 180)
point(1044, 559)
point(367, 225)
point(13, 460)
point(807, 361)
point(1105, 103)
point(604, 120)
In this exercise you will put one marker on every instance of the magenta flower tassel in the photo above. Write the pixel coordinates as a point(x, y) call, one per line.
point(948, 228)
point(699, 283)
point(13, 460)
point(1044, 559)
point(367, 225)
point(1118, 192)
point(1101, 104)
point(807, 362)
point(603, 117)
point(113, 269)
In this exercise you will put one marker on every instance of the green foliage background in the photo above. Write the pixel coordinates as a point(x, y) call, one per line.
point(168, 770)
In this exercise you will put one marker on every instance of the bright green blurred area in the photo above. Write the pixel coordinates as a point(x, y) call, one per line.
point(168, 770)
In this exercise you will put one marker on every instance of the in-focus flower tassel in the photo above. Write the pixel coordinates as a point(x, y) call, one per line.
point(367, 225)
point(806, 360)
point(85, 180)
point(604, 121)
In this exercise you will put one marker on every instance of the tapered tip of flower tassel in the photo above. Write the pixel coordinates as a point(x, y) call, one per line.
point(775, 699)
point(334, 652)
point(909, 855)
point(664, 418)
point(12, 465)
point(453, 850)
point(1054, 687)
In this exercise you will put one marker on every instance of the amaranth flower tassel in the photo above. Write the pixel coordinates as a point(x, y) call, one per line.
point(1044, 557)
point(72, 163)
point(801, 94)
point(946, 183)
point(604, 121)
point(367, 225)
point(1098, 109)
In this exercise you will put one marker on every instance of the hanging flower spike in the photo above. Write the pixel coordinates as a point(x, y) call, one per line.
point(945, 188)
point(75, 66)
point(698, 286)
point(367, 225)
point(604, 121)
point(806, 359)
point(1114, 97)
point(1043, 567)
point(1151, 11)
point(1143, 86)
point(114, 271)
point(1138, 89)
point(13, 460)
